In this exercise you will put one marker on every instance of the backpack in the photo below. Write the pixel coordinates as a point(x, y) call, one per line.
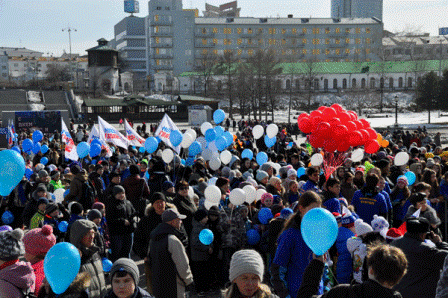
point(88, 195)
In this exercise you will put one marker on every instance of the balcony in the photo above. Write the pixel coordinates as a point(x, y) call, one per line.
point(333, 45)
point(162, 34)
point(162, 23)
point(162, 67)
point(206, 34)
point(161, 45)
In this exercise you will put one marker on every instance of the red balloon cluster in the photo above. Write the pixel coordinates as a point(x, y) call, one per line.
point(333, 128)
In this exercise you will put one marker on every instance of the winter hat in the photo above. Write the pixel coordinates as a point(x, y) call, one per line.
point(75, 169)
point(79, 229)
point(361, 227)
point(202, 186)
point(11, 245)
point(246, 261)
point(247, 174)
point(347, 220)
point(382, 163)
point(283, 171)
point(134, 170)
point(41, 187)
point(39, 241)
point(417, 225)
point(167, 185)
point(265, 167)
point(117, 189)
point(337, 216)
point(265, 196)
point(214, 210)
point(98, 206)
point(38, 167)
point(157, 196)
point(51, 207)
point(233, 160)
point(430, 163)
point(42, 201)
point(261, 175)
point(53, 174)
point(94, 214)
point(393, 234)
point(76, 208)
point(403, 179)
point(126, 265)
point(170, 214)
point(200, 214)
point(225, 171)
point(286, 213)
point(379, 223)
point(221, 181)
point(292, 172)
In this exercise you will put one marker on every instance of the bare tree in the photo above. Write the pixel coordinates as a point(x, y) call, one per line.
point(205, 66)
point(227, 67)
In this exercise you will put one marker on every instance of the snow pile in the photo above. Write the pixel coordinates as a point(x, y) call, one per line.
point(33, 96)
point(164, 97)
point(37, 107)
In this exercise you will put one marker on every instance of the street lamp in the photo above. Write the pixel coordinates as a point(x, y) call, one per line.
point(69, 30)
point(396, 110)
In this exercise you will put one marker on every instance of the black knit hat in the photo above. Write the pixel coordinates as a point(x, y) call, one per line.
point(117, 189)
point(200, 214)
point(50, 208)
point(214, 210)
point(157, 196)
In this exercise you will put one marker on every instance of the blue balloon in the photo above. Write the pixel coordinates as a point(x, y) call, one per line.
point(253, 237)
point(61, 265)
point(189, 161)
point(62, 226)
point(210, 135)
point(411, 177)
point(269, 141)
point(221, 143)
point(44, 160)
point(141, 150)
point(151, 144)
point(44, 148)
point(195, 148)
point(36, 148)
point(93, 162)
point(206, 236)
point(158, 139)
point(319, 230)
point(229, 138)
point(95, 150)
point(11, 171)
point(7, 217)
point(37, 136)
point(262, 158)
point(301, 172)
point(95, 141)
point(27, 145)
point(265, 215)
point(219, 131)
point(183, 162)
point(107, 264)
point(28, 173)
point(16, 149)
point(247, 153)
point(83, 149)
point(176, 138)
point(218, 116)
point(66, 193)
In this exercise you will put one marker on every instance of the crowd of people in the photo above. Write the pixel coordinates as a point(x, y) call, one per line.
point(389, 242)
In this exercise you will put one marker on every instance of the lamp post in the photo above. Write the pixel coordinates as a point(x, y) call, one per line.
point(69, 30)
point(396, 110)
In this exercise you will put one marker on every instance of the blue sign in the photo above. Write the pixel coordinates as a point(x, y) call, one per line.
point(131, 6)
point(443, 31)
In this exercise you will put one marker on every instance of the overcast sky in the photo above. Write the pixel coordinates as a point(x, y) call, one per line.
point(38, 24)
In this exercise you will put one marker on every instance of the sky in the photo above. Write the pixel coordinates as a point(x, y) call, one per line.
point(38, 24)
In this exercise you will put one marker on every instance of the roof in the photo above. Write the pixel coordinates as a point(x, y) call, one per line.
point(285, 21)
point(356, 67)
point(102, 48)
point(417, 40)
point(197, 98)
point(127, 101)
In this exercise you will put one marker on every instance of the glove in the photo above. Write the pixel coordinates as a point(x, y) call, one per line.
point(191, 288)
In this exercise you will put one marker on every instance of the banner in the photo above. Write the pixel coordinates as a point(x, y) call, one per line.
point(96, 135)
point(111, 134)
point(164, 131)
point(133, 137)
point(70, 147)
point(45, 121)
point(443, 31)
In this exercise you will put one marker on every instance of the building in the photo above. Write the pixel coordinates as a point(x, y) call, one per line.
point(4, 67)
point(20, 52)
point(230, 9)
point(357, 9)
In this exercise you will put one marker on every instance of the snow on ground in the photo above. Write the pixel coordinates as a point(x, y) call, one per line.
point(33, 96)
point(37, 107)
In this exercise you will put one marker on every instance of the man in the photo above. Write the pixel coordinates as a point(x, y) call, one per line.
point(168, 258)
point(115, 179)
point(425, 260)
point(82, 235)
point(98, 183)
point(137, 190)
point(313, 180)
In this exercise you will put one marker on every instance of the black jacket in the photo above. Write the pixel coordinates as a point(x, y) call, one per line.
point(117, 212)
point(186, 207)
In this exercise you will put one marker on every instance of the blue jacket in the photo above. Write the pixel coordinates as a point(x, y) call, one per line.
point(344, 267)
point(366, 207)
point(310, 185)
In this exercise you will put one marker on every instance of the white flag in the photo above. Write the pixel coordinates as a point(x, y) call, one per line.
point(164, 131)
point(417, 213)
point(112, 135)
point(133, 137)
point(70, 147)
point(96, 135)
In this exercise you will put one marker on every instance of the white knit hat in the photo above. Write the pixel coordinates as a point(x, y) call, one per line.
point(246, 261)
point(361, 227)
point(292, 172)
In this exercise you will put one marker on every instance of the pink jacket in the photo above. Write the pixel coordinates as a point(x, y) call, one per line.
point(40, 275)
point(15, 277)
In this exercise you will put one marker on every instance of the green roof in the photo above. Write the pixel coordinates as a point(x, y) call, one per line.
point(127, 101)
point(356, 67)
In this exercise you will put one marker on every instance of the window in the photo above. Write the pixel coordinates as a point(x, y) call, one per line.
point(215, 30)
point(367, 51)
point(227, 30)
point(382, 83)
point(188, 52)
point(294, 30)
point(203, 30)
point(271, 41)
point(315, 30)
point(409, 82)
point(337, 41)
point(372, 83)
point(157, 40)
point(344, 83)
point(368, 31)
point(347, 30)
point(204, 52)
point(283, 31)
point(288, 84)
point(204, 41)
point(260, 41)
point(347, 40)
point(272, 31)
point(304, 51)
point(337, 30)
point(337, 51)
point(353, 83)
point(239, 52)
point(367, 40)
point(358, 40)
point(249, 31)
point(249, 41)
point(227, 41)
point(156, 18)
point(238, 30)
point(335, 84)
point(304, 30)
point(327, 41)
point(316, 51)
point(391, 83)
point(326, 84)
point(250, 52)
point(358, 30)
point(327, 52)
point(363, 83)
point(297, 84)
point(316, 41)
point(215, 52)
point(215, 40)
point(239, 41)
point(283, 41)
point(16, 64)
point(304, 40)
point(400, 82)
point(347, 51)
point(260, 30)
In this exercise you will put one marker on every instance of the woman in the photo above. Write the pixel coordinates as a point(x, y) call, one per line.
point(399, 199)
point(430, 177)
point(358, 180)
point(185, 204)
point(275, 187)
point(245, 274)
point(347, 187)
point(292, 254)
point(340, 173)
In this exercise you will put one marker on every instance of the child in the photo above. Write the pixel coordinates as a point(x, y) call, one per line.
point(347, 187)
point(419, 201)
point(381, 188)
point(344, 262)
point(399, 199)
point(331, 201)
point(52, 218)
point(38, 217)
point(55, 180)
point(292, 195)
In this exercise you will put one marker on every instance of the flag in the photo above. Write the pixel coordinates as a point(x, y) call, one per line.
point(10, 135)
point(133, 137)
point(164, 130)
point(70, 147)
point(111, 134)
point(417, 213)
point(443, 31)
point(96, 135)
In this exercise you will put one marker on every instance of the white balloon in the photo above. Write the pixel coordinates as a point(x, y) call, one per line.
point(202, 141)
point(167, 155)
point(357, 155)
point(187, 140)
point(212, 146)
point(237, 196)
point(277, 167)
point(260, 192)
point(190, 192)
point(212, 180)
point(215, 155)
point(401, 159)
point(257, 131)
point(317, 159)
point(205, 126)
point(192, 132)
point(272, 130)
point(207, 154)
point(208, 204)
point(251, 193)
point(214, 163)
point(213, 194)
point(59, 195)
point(226, 156)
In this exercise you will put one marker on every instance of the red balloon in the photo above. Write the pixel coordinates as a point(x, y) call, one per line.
point(354, 115)
point(334, 122)
point(321, 108)
point(302, 115)
point(316, 113)
point(365, 123)
point(340, 131)
point(305, 125)
point(343, 145)
point(372, 146)
point(359, 124)
point(344, 116)
point(329, 113)
point(351, 126)
point(355, 138)
point(324, 129)
point(372, 133)
point(337, 107)
point(330, 145)
point(316, 141)
point(316, 120)
point(365, 135)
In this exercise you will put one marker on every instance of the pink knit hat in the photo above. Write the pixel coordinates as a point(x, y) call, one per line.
point(265, 196)
point(39, 241)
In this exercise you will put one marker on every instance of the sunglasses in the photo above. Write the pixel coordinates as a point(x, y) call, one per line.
point(183, 188)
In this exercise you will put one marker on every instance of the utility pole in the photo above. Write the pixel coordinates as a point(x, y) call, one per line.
point(69, 30)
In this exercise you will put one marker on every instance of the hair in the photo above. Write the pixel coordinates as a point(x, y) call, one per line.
point(309, 197)
point(396, 191)
point(427, 178)
point(389, 263)
point(346, 176)
point(421, 186)
point(262, 292)
point(180, 184)
point(332, 181)
point(417, 197)
point(372, 180)
point(310, 171)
